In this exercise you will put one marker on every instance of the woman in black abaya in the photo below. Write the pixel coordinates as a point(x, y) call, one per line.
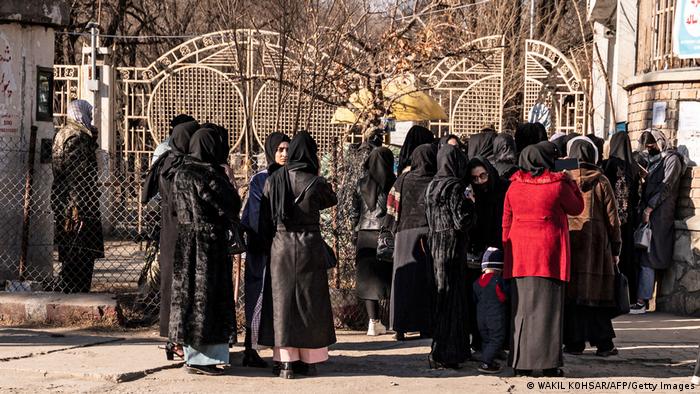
point(373, 276)
point(450, 212)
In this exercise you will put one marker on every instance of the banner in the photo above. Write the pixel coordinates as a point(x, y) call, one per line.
point(686, 32)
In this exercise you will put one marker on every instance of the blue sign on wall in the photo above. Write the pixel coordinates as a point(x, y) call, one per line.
point(686, 32)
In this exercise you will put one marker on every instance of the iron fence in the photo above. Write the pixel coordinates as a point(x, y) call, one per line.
point(40, 251)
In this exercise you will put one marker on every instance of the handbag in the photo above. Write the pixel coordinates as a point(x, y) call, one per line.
point(385, 246)
point(329, 258)
point(622, 295)
point(642, 237)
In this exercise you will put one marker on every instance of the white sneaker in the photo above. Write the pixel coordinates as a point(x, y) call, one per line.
point(695, 380)
point(638, 309)
point(375, 328)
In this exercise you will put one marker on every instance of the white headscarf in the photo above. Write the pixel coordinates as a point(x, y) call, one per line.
point(556, 136)
point(80, 111)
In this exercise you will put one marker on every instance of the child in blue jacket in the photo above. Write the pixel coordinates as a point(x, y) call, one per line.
point(490, 295)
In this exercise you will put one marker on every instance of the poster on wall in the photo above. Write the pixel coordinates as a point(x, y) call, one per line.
point(688, 135)
point(659, 113)
point(9, 94)
point(686, 29)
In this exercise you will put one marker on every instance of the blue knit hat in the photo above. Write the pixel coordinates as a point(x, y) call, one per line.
point(493, 259)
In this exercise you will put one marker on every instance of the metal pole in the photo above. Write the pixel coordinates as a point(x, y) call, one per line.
point(94, 31)
point(24, 248)
point(532, 19)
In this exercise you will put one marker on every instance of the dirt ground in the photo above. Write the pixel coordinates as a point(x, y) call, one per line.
point(655, 349)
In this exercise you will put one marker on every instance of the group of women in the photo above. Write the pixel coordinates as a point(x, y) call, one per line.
point(562, 233)
point(287, 299)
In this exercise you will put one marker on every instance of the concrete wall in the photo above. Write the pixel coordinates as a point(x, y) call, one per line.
point(22, 48)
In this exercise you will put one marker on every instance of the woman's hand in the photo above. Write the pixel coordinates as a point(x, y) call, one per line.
point(647, 214)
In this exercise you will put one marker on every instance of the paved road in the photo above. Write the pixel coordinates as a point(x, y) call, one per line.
point(655, 349)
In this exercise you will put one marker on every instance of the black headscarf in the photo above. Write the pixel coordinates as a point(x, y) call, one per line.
point(445, 138)
point(416, 136)
point(504, 154)
point(560, 143)
point(600, 145)
point(583, 150)
point(493, 175)
point(380, 176)
point(621, 148)
point(451, 169)
point(180, 119)
point(488, 207)
point(222, 149)
point(303, 156)
point(537, 158)
point(168, 162)
point(529, 134)
point(180, 139)
point(205, 146)
point(424, 160)
point(481, 145)
point(272, 142)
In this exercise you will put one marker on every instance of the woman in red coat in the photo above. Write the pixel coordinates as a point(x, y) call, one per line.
point(536, 243)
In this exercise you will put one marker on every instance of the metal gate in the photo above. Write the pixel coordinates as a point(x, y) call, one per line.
point(470, 89)
point(233, 78)
point(552, 80)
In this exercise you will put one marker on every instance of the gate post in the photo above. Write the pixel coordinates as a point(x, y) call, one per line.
point(100, 93)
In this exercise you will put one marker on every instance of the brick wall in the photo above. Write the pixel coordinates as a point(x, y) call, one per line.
point(642, 98)
point(678, 288)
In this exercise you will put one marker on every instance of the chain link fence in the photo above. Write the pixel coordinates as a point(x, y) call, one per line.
point(75, 224)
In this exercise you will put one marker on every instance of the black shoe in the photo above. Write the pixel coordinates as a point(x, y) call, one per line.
point(209, 370)
point(286, 370)
point(607, 353)
point(523, 372)
point(438, 365)
point(252, 359)
point(553, 373)
point(172, 350)
point(302, 368)
point(276, 368)
point(572, 351)
point(489, 368)
point(399, 336)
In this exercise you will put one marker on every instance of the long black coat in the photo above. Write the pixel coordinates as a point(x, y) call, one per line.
point(202, 308)
point(166, 255)
point(297, 290)
point(660, 192)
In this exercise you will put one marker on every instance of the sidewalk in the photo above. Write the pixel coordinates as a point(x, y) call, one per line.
point(654, 348)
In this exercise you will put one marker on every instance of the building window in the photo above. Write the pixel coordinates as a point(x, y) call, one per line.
point(655, 37)
point(44, 94)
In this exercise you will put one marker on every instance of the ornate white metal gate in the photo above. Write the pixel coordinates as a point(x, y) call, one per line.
point(470, 89)
point(551, 79)
point(227, 77)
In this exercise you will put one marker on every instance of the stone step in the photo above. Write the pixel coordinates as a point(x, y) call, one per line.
point(58, 309)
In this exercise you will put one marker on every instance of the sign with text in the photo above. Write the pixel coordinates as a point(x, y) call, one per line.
point(686, 29)
point(689, 129)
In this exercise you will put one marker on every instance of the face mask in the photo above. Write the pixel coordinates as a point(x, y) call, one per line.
point(653, 152)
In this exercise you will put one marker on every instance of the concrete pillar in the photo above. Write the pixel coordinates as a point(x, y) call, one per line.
point(26, 51)
point(624, 56)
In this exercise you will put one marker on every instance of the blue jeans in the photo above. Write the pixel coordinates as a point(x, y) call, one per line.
point(645, 289)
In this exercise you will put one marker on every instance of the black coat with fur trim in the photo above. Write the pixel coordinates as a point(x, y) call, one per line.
point(207, 205)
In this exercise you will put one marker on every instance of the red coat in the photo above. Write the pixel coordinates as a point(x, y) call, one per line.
point(536, 227)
